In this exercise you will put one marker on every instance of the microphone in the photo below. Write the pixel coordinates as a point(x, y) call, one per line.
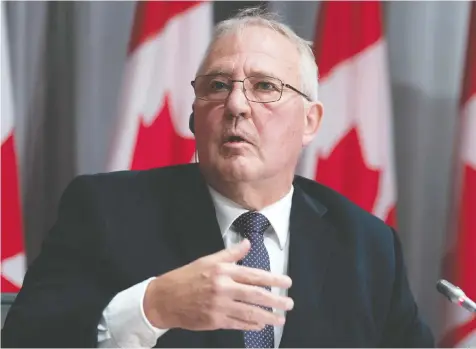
point(455, 295)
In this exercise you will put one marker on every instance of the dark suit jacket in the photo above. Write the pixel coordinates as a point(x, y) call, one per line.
point(115, 230)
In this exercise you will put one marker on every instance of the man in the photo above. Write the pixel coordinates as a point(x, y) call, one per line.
point(235, 251)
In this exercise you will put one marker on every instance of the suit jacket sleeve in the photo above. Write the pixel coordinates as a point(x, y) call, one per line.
point(64, 291)
point(404, 328)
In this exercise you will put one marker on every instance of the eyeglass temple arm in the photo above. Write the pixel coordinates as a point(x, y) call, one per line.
point(296, 90)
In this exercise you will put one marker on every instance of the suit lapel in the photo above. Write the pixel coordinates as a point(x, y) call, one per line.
point(194, 218)
point(198, 234)
point(312, 241)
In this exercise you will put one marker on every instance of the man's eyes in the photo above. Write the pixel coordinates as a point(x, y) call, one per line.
point(219, 85)
point(265, 85)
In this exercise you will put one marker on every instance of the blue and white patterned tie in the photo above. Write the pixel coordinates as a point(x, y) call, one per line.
point(252, 226)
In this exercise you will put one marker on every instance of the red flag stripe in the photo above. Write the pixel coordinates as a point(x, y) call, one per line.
point(357, 23)
point(13, 258)
point(466, 269)
point(152, 16)
point(469, 84)
point(466, 264)
point(462, 267)
point(12, 226)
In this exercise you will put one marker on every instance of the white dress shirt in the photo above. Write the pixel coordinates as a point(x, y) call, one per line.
point(123, 322)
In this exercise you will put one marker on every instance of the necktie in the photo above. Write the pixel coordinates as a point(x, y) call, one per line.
point(252, 226)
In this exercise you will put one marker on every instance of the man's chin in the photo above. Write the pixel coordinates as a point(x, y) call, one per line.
point(237, 169)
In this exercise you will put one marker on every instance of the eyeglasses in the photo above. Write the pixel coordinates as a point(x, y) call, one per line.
point(260, 89)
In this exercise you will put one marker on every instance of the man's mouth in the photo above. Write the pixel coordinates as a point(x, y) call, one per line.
point(235, 139)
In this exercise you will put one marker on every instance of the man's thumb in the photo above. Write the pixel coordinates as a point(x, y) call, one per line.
point(234, 253)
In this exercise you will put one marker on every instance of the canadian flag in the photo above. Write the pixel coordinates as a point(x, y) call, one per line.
point(13, 254)
point(353, 150)
point(168, 42)
point(462, 324)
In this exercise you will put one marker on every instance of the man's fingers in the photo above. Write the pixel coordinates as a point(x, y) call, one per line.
point(258, 277)
point(262, 297)
point(233, 253)
point(254, 314)
point(233, 323)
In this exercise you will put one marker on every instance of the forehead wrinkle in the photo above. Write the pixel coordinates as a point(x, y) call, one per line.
point(259, 69)
point(251, 66)
point(225, 56)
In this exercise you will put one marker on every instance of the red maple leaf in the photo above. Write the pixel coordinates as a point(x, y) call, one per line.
point(159, 144)
point(346, 172)
point(8, 287)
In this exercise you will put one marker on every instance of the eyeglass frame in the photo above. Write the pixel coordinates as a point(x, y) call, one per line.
point(283, 85)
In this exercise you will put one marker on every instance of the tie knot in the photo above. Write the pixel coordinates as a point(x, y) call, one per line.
point(250, 223)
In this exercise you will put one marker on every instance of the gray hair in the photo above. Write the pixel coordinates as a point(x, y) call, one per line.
point(256, 16)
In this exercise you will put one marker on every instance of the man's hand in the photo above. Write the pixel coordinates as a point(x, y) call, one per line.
point(215, 293)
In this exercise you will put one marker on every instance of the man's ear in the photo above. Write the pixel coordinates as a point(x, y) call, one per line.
point(312, 121)
point(191, 121)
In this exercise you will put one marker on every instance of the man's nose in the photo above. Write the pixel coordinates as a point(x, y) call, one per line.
point(237, 103)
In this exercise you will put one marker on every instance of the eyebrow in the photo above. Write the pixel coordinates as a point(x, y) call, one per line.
point(264, 73)
point(254, 72)
point(217, 72)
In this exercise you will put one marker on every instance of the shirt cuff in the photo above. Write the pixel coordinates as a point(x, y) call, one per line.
point(124, 323)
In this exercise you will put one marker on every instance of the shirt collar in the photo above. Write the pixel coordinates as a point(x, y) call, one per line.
point(277, 213)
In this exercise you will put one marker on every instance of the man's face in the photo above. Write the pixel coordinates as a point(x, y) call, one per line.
point(239, 140)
